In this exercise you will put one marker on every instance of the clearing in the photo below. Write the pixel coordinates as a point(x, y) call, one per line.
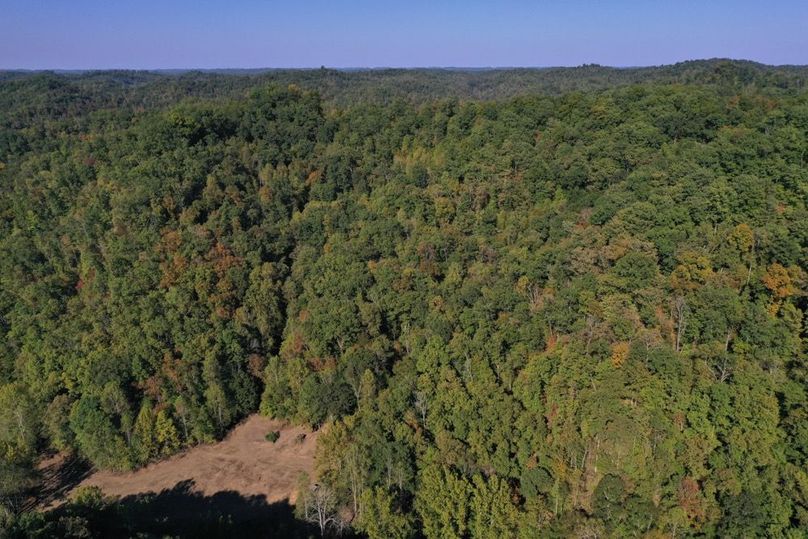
point(244, 462)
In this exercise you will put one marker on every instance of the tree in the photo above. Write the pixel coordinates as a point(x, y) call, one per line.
point(19, 424)
point(165, 434)
point(19, 433)
point(96, 435)
point(493, 513)
point(144, 445)
point(442, 502)
point(318, 505)
point(381, 518)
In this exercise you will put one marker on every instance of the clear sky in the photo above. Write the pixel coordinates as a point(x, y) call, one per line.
point(80, 34)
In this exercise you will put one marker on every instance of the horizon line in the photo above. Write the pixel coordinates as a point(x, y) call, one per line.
point(383, 68)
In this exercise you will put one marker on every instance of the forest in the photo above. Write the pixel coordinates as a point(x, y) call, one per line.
point(515, 303)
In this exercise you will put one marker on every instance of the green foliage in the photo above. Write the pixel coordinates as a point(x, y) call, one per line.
point(144, 445)
point(518, 309)
point(382, 517)
point(493, 512)
point(165, 434)
point(19, 424)
point(442, 503)
point(96, 435)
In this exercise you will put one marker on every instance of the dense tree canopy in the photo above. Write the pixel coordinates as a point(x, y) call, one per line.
point(547, 315)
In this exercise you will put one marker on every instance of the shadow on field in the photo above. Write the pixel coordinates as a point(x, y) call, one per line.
point(60, 474)
point(182, 512)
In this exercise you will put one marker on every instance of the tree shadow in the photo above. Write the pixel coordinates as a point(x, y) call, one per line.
point(56, 480)
point(182, 512)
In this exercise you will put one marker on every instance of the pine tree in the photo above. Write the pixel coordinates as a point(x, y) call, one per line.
point(144, 447)
point(168, 439)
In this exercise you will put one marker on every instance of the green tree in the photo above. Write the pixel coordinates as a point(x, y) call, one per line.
point(442, 502)
point(144, 445)
point(165, 434)
point(381, 518)
point(96, 435)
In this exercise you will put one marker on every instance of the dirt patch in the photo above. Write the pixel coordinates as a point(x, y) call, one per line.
point(244, 462)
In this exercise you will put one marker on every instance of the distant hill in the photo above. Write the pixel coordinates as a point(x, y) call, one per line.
point(346, 86)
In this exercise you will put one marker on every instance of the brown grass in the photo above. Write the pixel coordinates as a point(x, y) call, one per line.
point(244, 462)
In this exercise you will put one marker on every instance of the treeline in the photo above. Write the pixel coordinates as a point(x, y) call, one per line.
point(574, 315)
point(345, 87)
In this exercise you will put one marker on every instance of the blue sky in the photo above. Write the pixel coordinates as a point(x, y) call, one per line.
point(81, 34)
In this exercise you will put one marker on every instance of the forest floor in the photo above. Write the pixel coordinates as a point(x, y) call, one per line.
point(244, 463)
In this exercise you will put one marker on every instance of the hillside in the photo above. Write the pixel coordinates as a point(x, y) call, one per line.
point(538, 303)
